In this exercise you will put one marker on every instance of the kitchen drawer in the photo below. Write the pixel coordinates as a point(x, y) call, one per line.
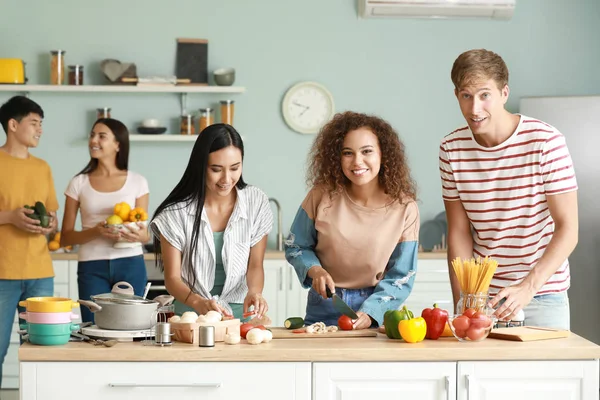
point(181, 380)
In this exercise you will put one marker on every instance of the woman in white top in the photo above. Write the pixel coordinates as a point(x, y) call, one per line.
point(104, 182)
point(211, 231)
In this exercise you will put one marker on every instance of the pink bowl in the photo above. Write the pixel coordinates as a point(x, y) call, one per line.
point(48, 317)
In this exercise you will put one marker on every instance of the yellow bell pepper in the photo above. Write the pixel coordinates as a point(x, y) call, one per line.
point(138, 214)
point(413, 330)
point(122, 210)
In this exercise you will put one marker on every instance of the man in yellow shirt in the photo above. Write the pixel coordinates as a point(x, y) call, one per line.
point(25, 263)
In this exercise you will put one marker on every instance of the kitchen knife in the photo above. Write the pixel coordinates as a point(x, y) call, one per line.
point(340, 305)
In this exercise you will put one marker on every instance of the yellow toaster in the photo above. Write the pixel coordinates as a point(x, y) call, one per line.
point(12, 70)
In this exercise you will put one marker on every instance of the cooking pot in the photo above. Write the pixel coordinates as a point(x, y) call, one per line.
point(122, 310)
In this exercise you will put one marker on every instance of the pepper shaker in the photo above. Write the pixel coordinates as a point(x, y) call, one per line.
point(206, 336)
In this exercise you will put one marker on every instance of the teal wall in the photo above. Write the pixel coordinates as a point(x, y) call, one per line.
point(398, 69)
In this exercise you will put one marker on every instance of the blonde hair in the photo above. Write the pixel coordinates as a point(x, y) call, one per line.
point(478, 65)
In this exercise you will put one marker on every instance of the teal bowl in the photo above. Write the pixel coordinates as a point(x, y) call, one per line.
point(50, 329)
point(49, 340)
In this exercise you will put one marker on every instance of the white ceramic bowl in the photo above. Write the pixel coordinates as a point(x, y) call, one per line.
point(151, 123)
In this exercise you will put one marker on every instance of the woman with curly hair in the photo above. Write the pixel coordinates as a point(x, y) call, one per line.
point(356, 232)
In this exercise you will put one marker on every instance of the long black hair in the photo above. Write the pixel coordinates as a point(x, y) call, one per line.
point(121, 136)
point(191, 189)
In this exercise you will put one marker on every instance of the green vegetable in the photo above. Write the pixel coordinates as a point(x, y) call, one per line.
point(391, 320)
point(294, 323)
point(40, 208)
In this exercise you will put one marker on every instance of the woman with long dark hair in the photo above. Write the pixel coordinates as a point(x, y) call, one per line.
point(211, 231)
point(104, 182)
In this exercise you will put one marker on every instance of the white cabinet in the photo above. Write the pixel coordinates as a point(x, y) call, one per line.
point(528, 380)
point(354, 381)
point(283, 292)
point(161, 380)
point(65, 285)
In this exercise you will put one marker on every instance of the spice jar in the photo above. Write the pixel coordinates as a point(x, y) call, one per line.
point(227, 109)
point(57, 67)
point(187, 124)
point(206, 118)
point(76, 75)
point(103, 112)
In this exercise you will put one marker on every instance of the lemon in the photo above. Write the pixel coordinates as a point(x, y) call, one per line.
point(114, 220)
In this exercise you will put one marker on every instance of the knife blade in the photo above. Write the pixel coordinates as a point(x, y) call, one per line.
point(340, 305)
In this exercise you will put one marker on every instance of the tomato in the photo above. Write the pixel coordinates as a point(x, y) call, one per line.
point(345, 323)
point(475, 333)
point(480, 320)
point(460, 334)
point(244, 328)
point(469, 312)
point(261, 327)
point(461, 323)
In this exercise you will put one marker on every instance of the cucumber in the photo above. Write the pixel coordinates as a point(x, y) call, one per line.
point(294, 323)
point(40, 208)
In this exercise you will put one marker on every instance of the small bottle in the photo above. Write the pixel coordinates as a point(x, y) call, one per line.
point(57, 67)
point(103, 112)
point(187, 124)
point(76, 75)
point(227, 109)
point(206, 336)
point(206, 118)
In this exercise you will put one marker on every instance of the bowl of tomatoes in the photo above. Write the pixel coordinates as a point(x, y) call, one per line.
point(472, 325)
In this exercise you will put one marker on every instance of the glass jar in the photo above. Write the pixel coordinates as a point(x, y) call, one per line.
point(476, 301)
point(227, 109)
point(103, 112)
point(207, 118)
point(57, 67)
point(187, 125)
point(76, 75)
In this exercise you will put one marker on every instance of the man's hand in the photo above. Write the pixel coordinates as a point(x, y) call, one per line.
point(53, 224)
point(20, 219)
point(516, 298)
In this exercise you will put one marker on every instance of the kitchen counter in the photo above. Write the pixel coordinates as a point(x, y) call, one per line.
point(269, 255)
point(311, 350)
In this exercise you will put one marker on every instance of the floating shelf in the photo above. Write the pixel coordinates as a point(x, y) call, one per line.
point(122, 88)
point(136, 137)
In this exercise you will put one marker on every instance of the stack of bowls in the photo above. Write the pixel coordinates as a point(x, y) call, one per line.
point(49, 319)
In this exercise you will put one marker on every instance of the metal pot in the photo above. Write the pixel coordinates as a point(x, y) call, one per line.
point(122, 310)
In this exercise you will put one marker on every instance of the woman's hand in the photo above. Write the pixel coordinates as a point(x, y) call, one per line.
point(259, 303)
point(363, 321)
point(135, 235)
point(202, 306)
point(107, 232)
point(321, 280)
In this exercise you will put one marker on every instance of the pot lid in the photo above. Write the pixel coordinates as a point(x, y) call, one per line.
point(122, 293)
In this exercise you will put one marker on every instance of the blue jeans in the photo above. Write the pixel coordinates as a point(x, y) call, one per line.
point(319, 309)
point(549, 310)
point(99, 276)
point(11, 292)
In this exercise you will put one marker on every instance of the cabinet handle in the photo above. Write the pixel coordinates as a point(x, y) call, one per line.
point(468, 385)
point(280, 279)
point(290, 277)
point(447, 379)
point(159, 385)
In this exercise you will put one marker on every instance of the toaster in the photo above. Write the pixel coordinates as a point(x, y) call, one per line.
point(12, 70)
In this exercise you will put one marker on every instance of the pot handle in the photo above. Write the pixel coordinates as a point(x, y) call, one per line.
point(128, 288)
point(91, 305)
point(164, 299)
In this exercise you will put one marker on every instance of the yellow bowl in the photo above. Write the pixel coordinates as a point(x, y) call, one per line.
point(48, 304)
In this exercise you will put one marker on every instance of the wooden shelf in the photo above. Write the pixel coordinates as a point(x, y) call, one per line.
point(122, 89)
point(165, 137)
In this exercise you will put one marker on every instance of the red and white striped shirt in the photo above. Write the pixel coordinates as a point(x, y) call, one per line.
point(503, 190)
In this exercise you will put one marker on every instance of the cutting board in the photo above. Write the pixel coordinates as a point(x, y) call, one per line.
point(282, 333)
point(528, 333)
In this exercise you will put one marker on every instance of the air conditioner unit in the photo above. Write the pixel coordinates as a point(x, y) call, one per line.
point(491, 9)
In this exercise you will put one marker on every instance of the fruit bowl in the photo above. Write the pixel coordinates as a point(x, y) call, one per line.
point(132, 227)
point(472, 328)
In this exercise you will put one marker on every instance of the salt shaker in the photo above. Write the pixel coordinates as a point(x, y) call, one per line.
point(163, 333)
point(206, 336)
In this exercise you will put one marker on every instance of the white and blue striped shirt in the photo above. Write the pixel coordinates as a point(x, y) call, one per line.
point(250, 221)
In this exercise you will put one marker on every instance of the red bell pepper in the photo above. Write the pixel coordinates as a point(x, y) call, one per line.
point(436, 320)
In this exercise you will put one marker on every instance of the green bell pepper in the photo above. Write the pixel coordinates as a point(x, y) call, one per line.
point(392, 318)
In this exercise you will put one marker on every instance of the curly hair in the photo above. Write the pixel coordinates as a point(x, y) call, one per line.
point(325, 165)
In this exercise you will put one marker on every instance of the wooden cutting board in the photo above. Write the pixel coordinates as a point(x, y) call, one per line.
point(528, 333)
point(282, 333)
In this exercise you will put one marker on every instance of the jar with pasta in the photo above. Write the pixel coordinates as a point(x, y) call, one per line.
point(187, 125)
point(206, 118)
point(227, 111)
point(57, 67)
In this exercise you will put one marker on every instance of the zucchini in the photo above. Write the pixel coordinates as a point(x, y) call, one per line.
point(294, 323)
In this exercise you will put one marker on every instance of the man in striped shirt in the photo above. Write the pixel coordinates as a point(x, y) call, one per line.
point(510, 193)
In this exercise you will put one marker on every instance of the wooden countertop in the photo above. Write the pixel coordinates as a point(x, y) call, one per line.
point(269, 255)
point(311, 350)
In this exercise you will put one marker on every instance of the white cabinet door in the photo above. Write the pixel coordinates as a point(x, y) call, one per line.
point(432, 285)
point(528, 380)
point(273, 290)
point(380, 380)
point(166, 380)
point(296, 295)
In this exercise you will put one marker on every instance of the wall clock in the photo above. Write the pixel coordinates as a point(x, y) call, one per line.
point(307, 106)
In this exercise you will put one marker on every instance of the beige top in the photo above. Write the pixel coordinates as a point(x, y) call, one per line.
point(312, 350)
